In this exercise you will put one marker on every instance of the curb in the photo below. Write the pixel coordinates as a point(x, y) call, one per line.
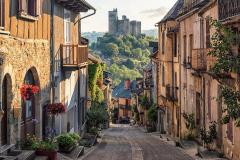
point(92, 148)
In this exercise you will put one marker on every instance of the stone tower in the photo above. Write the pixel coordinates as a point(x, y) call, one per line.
point(113, 21)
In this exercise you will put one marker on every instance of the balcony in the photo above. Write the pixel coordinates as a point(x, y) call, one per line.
point(73, 57)
point(171, 93)
point(199, 59)
point(228, 9)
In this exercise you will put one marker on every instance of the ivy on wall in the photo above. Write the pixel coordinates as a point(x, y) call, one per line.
point(95, 80)
point(223, 40)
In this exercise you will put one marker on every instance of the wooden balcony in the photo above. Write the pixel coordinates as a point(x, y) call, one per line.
point(73, 56)
point(228, 9)
point(199, 59)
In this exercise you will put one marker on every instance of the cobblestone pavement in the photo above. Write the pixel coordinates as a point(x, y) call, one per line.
point(122, 142)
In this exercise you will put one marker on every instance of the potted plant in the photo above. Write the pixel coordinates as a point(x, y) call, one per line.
point(46, 148)
point(56, 108)
point(27, 91)
point(66, 142)
point(209, 136)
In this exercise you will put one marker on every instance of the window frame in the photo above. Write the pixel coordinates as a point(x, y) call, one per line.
point(67, 26)
point(2, 14)
point(25, 6)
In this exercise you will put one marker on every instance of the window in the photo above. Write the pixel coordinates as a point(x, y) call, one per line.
point(30, 8)
point(163, 42)
point(2, 13)
point(175, 45)
point(67, 25)
point(163, 76)
point(184, 49)
point(208, 38)
point(190, 48)
point(230, 130)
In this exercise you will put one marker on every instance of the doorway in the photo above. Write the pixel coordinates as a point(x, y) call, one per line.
point(6, 104)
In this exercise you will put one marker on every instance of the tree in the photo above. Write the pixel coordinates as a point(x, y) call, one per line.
point(137, 53)
point(129, 63)
point(111, 49)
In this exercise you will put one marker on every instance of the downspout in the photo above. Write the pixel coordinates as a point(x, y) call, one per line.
point(52, 50)
point(83, 101)
point(91, 14)
point(203, 79)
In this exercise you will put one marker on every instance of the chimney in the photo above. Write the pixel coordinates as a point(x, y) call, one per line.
point(127, 84)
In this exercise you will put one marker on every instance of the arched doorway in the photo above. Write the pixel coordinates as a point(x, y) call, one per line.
point(6, 105)
point(28, 123)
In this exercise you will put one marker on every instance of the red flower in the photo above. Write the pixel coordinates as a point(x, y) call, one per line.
point(56, 108)
point(27, 91)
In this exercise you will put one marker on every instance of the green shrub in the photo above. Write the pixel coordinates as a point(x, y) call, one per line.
point(66, 141)
point(93, 131)
point(46, 145)
point(75, 136)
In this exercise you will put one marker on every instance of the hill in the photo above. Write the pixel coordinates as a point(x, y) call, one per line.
point(125, 56)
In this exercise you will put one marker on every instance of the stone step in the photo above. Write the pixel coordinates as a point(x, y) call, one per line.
point(76, 153)
point(26, 155)
point(6, 148)
point(8, 158)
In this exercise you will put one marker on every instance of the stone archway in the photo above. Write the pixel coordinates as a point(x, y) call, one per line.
point(30, 108)
point(7, 96)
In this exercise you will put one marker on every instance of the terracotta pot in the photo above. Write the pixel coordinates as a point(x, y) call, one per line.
point(52, 155)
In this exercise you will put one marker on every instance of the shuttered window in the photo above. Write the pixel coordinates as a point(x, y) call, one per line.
point(190, 48)
point(30, 7)
point(208, 36)
point(184, 49)
point(2, 13)
point(163, 76)
point(163, 42)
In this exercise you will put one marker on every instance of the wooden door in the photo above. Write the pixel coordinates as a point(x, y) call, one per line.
point(28, 118)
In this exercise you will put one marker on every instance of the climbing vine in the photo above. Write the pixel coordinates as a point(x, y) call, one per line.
point(223, 40)
point(95, 80)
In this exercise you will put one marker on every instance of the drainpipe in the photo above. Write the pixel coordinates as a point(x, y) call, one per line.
point(203, 79)
point(52, 50)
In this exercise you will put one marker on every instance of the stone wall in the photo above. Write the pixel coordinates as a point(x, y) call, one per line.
point(19, 56)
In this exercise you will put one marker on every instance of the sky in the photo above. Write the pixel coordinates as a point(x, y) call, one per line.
point(148, 12)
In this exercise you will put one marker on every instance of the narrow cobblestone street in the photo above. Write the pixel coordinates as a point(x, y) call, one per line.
point(123, 142)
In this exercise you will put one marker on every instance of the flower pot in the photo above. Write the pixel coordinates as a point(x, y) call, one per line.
point(52, 155)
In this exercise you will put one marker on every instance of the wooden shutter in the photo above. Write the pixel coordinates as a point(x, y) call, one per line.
point(38, 8)
point(22, 5)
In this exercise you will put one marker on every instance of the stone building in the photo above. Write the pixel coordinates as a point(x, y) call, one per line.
point(184, 42)
point(123, 95)
point(33, 52)
point(123, 26)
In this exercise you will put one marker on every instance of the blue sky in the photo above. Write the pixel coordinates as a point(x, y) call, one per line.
point(147, 11)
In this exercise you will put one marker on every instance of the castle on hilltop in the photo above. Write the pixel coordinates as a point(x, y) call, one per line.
point(123, 26)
